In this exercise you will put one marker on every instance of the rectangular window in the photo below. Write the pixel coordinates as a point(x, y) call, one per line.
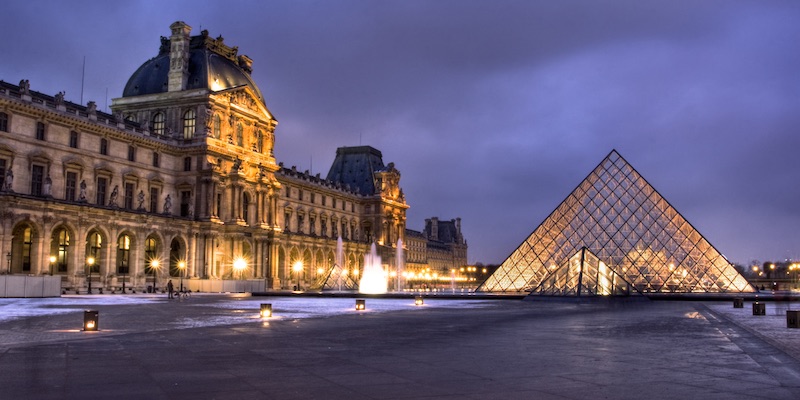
point(186, 197)
point(218, 206)
point(187, 164)
point(312, 197)
point(40, 131)
point(131, 153)
point(288, 191)
point(155, 160)
point(102, 185)
point(312, 225)
point(300, 194)
point(3, 122)
point(129, 195)
point(70, 185)
point(37, 179)
point(73, 139)
point(104, 146)
point(153, 200)
point(287, 220)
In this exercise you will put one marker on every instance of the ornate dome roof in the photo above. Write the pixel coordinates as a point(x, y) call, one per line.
point(212, 65)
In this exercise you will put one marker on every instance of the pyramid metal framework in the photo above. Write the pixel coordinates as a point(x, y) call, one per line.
point(629, 239)
point(335, 278)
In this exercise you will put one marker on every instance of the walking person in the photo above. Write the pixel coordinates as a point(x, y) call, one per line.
point(170, 288)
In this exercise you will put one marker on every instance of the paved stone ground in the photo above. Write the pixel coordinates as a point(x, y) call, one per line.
point(507, 349)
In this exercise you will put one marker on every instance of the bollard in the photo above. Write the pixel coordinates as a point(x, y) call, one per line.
point(738, 302)
point(90, 320)
point(266, 310)
point(793, 319)
point(759, 308)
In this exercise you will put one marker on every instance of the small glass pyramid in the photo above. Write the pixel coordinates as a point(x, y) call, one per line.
point(622, 235)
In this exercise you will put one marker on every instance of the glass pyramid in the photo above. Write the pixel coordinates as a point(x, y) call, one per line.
point(335, 278)
point(615, 235)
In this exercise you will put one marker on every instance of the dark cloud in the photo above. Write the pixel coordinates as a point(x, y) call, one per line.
point(492, 110)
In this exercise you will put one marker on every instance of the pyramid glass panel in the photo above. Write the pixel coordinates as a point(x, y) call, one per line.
point(615, 235)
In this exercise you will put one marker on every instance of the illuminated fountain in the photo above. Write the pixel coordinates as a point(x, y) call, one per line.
point(374, 279)
point(339, 261)
point(400, 264)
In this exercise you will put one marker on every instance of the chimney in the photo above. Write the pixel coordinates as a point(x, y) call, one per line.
point(435, 228)
point(179, 56)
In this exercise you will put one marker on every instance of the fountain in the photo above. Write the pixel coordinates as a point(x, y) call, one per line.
point(400, 265)
point(374, 279)
point(339, 261)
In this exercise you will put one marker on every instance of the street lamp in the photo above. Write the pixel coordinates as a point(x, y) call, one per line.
point(182, 267)
point(52, 262)
point(153, 267)
point(239, 265)
point(298, 268)
point(90, 263)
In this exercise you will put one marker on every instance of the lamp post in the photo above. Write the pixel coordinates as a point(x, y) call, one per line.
point(90, 263)
point(52, 263)
point(298, 268)
point(153, 267)
point(182, 268)
point(239, 265)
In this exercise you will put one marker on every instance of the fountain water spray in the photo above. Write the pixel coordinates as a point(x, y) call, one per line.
point(374, 280)
point(400, 265)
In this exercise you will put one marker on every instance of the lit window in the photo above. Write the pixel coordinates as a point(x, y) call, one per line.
point(239, 135)
point(159, 124)
point(189, 121)
point(217, 129)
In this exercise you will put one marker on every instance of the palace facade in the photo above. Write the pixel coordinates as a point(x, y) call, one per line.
point(180, 180)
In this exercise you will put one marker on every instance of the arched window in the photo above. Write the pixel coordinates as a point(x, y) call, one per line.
point(217, 129)
point(151, 260)
point(27, 245)
point(94, 245)
point(176, 258)
point(159, 123)
point(63, 249)
point(245, 207)
point(189, 122)
point(239, 135)
point(123, 254)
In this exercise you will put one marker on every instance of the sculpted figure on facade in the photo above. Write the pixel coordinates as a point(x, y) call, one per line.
point(48, 184)
point(8, 181)
point(82, 195)
point(114, 193)
point(168, 205)
point(140, 198)
point(59, 98)
point(25, 86)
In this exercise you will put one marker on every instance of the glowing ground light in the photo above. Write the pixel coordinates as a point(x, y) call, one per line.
point(266, 310)
point(90, 320)
point(361, 305)
point(418, 301)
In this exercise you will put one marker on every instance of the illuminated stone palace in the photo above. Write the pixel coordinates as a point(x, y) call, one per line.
point(180, 180)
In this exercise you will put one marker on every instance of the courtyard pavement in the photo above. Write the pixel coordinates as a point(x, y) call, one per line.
point(215, 347)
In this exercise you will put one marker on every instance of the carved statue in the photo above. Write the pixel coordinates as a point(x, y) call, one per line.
point(168, 205)
point(237, 165)
point(114, 193)
point(24, 86)
point(82, 196)
point(140, 197)
point(60, 98)
point(191, 206)
point(91, 107)
point(48, 184)
point(9, 180)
